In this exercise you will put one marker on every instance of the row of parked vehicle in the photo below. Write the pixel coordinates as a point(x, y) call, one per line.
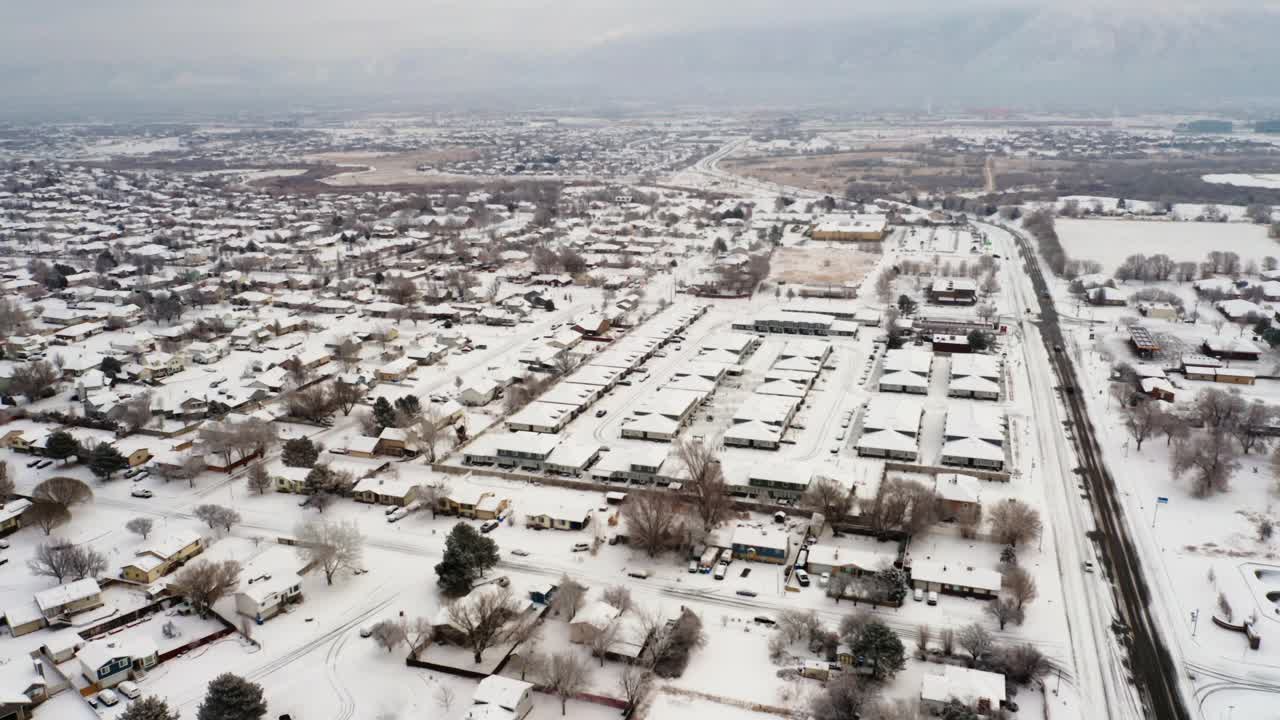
point(109, 697)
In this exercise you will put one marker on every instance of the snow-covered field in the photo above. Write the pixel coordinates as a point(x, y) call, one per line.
point(1110, 241)
point(1245, 180)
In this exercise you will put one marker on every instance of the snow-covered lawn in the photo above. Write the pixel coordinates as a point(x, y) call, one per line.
point(1110, 241)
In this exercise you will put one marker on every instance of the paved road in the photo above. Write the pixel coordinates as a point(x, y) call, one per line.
point(1151, 665)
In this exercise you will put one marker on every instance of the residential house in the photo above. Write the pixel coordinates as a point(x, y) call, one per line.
point(109, 661)
point(160, 556)
point(500, 698)
point(955, 578)
point(473, 502)
point(385, 491)
point(22, 687)
point(563, 516)
point(983, 692)
point(11, 514)
point(478, 392)
point(269, 584)
point(756, 542)
point(61, 602)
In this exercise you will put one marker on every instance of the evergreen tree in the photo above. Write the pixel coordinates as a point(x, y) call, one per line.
point(384, 414)
point(149, 708)
point(300, 452)
point(467, 555)
point(110, 366)
point(106, 461)
point(60, 446)
point(231, 697)
point(882, 649)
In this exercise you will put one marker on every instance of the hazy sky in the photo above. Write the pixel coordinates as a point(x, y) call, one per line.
point(127, 30)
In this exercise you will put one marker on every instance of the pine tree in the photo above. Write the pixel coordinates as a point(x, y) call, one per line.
point(231, 697)
point(60, 445)
point(149, 708)
point(467, 555)
point(300, 452)
point(107, 461)
point(882, 648)
point(384, 414)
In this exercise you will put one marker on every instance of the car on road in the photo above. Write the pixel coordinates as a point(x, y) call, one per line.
point(745, 572)
point(580, 547)
point(141, 493)
point(764, 620)
point(520, 553)
point(748, 593)
point(601, 412)
point(489, 526)
point(1088, 566)
point(639, 574)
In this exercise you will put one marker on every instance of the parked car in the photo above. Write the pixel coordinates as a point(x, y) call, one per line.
point(129, 689)
point(720, 571)
point(141, 493)
point(489, 526)
point(693, 566)
point(581, 547)
point(933, 597)
point(601, 412)
point(641, 574)
point(764, 620)
point(520, 553)
point(44, 464)
point(108, 697)
point(398, 515)
point(802, 577)
point(919, 595)
point(34, 463)
point(747, 593)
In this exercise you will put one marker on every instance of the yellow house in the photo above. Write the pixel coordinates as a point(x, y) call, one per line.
point(162, 556)
point(11, 515)
point(290, 479)
point(474, 502)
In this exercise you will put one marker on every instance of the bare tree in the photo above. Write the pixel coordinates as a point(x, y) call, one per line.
point(1174, 426)
point(136, 413)
point(568, 675)
point(619, 597)
point(433, 493)
point(445, 698)
point(1142, 420)
point(706, 488)
point(203, 583)
point(845, 696)
point(419, 633)
point(34, 379)
point(1209, 458)
point(333, 546)
point(6, 484)
point(216, 516)
point(1014, 521)
point(569, 598)
point(829, 497)
point(1023, 663)
point(602, 640)
point(46, 515)
point(1004, 610)
point(975, 640)
point(140, 526)
point(634, 682)
point(901, 504)
point(1255, 419)
point(345, 396)
point(652, 519)
point(1219, 408)
point(1020, 586)
point(348, 353)
point(62, 491)
point(947, 641)
point(259, 480)
point(483, 617)
point(51, 559)
point(923, 635)
point(426, 434)
point(388, 634)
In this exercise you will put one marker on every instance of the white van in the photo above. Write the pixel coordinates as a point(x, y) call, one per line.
point(129, 689)
point(721, 569)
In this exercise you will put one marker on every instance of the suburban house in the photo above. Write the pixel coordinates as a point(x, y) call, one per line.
point(558, 516)
point(385, 491)
point(269, 584)
point(110, 661)
point(982, 691)
point(161, 556)
point(60, 603)
point(958, 495)
point(11, 515)
point(500, 698)
point(754, 542)
point(592, 619)
point(478, 392)
point(397, 370)
point(473, 502)
point(22, 687)
point(955, 579)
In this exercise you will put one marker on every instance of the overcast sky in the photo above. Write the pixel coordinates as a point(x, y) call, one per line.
point(130, 30)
